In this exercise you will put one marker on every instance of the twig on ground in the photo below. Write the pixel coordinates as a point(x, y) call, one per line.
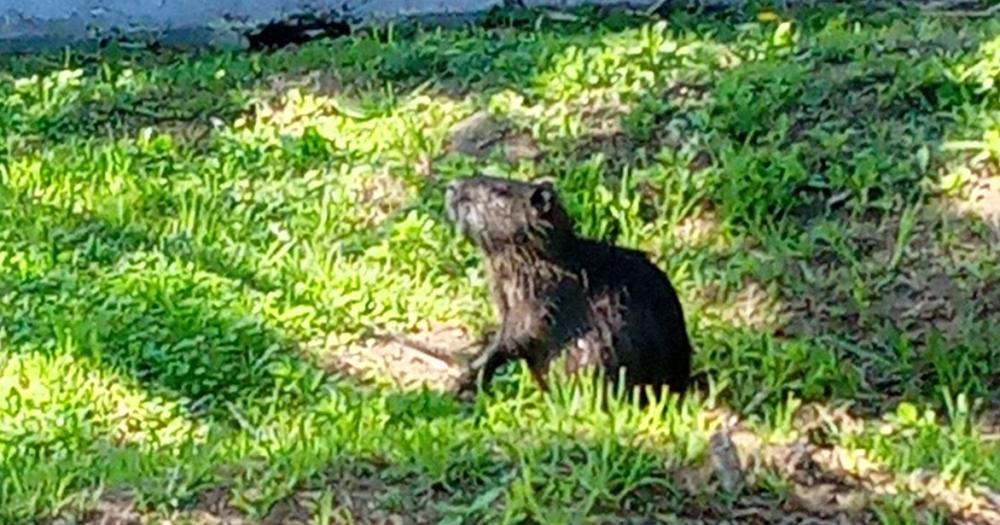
point(419, 347)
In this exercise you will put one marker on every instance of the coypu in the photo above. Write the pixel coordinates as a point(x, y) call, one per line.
point(561, 294)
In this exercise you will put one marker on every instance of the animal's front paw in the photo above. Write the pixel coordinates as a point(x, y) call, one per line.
point(467, 385)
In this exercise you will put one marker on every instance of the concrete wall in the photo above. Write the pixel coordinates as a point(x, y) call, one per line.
point(35, 24)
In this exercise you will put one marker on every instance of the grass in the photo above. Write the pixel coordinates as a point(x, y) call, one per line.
point(187, 241)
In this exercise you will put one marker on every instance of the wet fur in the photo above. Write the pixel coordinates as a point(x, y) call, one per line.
point(561, 295)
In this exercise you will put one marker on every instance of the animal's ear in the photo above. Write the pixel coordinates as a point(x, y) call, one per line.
point(543, 197)
point(546, 182)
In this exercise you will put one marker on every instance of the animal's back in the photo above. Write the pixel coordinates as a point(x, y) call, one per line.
point(655, 323)
point(635, 310)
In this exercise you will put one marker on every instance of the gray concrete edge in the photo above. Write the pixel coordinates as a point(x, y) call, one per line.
point(229, 33)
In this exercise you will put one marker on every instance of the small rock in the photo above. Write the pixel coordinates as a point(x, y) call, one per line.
point(726, 460)
point(520, 147)
point(476, 135)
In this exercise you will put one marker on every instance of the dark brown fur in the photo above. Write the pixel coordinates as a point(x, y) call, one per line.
point(559, 294)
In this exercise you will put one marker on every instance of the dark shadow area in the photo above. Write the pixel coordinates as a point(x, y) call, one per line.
point(833, 163)
point(178, 89)
point(153, 320)
point(795, 172)
point(297, 30)
point(174, 330)
point(639, 484)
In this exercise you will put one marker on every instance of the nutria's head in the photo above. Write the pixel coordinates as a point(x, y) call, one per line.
point(496, 213)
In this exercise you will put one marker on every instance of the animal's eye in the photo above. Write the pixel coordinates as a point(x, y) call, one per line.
point(501, 192)
point(542, 198)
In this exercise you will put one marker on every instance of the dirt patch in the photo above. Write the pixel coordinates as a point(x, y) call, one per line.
point(383, 196)
point(616, 149)
point(434, 358)
point(700, 228)
point(888, 287)
point(920, 301)
point(369, 500)
point(481, 134)
point(980, 196)
point(621, 148)
point(349, 498)
point(366, 500)
point(213, 508)
point(753, 305)
point(823, 484)
point(318, 83)
point(112, 509)
point(989, 423)
point(917, 287)
point(831, 484)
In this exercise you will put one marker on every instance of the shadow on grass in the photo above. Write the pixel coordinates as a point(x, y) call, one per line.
point(822, 164)
point(115, 92)
point(177, 329)
point(143, 329)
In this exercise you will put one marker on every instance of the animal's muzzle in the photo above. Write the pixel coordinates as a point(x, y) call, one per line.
point(453, 196)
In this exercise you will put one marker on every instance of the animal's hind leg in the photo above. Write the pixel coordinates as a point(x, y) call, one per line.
point(539, 376)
